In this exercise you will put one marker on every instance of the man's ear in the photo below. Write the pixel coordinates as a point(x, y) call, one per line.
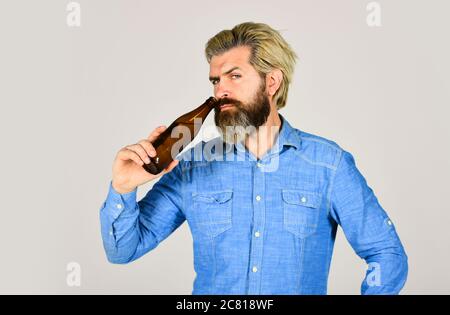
point(273, 81)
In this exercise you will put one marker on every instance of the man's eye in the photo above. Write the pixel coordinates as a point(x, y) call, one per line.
point(236, 76)
point(214, 82)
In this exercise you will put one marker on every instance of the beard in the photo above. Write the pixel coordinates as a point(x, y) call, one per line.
point(242, 120)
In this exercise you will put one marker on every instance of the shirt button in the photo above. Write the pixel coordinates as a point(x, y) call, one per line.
point(389, 222)
point(258, 198)
point(255, 269)
point(119, 206)
point(259, 164)
point(303, 199)
point(257, 234)
point(111, 232)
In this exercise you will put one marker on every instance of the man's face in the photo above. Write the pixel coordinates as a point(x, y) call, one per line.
point(242, 93)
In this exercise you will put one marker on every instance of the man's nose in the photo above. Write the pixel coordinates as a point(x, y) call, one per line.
point(222, 91)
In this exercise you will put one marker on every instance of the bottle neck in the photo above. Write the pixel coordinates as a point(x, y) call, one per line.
point(200, 112)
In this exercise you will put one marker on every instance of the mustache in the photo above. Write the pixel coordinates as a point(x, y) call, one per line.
point(231, 101)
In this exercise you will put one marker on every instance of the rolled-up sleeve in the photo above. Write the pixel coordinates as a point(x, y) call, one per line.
point(368, 229)
point(130, 229)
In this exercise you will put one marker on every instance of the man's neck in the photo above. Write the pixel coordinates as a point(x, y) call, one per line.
point(264, 138)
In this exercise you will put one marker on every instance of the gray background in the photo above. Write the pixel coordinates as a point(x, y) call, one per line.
point(72, 97)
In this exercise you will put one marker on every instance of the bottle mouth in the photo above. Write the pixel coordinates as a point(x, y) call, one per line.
point(214, 102)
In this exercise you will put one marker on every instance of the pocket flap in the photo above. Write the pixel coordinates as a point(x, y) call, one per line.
point(213, 197)
point(302, 198)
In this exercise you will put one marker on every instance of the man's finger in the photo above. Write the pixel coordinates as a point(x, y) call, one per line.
point(155, 133)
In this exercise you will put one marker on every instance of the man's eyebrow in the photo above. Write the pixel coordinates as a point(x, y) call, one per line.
point(226, 72)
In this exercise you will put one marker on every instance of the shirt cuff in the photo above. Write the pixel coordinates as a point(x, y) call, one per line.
point(117, 203)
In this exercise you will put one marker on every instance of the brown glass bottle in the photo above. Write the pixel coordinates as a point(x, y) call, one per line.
point(165, 142)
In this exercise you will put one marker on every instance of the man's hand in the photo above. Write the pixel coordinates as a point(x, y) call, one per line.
point(127, 170)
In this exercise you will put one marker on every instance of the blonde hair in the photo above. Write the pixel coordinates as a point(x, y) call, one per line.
point(269, 51)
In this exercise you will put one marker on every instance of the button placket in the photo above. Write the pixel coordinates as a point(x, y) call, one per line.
point(258, 224)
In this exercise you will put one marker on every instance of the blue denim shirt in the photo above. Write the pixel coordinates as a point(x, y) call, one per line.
point(264, 226)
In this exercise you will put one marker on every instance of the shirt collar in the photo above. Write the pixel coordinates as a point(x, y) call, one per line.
point(288, 135)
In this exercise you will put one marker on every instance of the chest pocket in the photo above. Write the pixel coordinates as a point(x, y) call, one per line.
point(301, 212)
point(213, 212)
